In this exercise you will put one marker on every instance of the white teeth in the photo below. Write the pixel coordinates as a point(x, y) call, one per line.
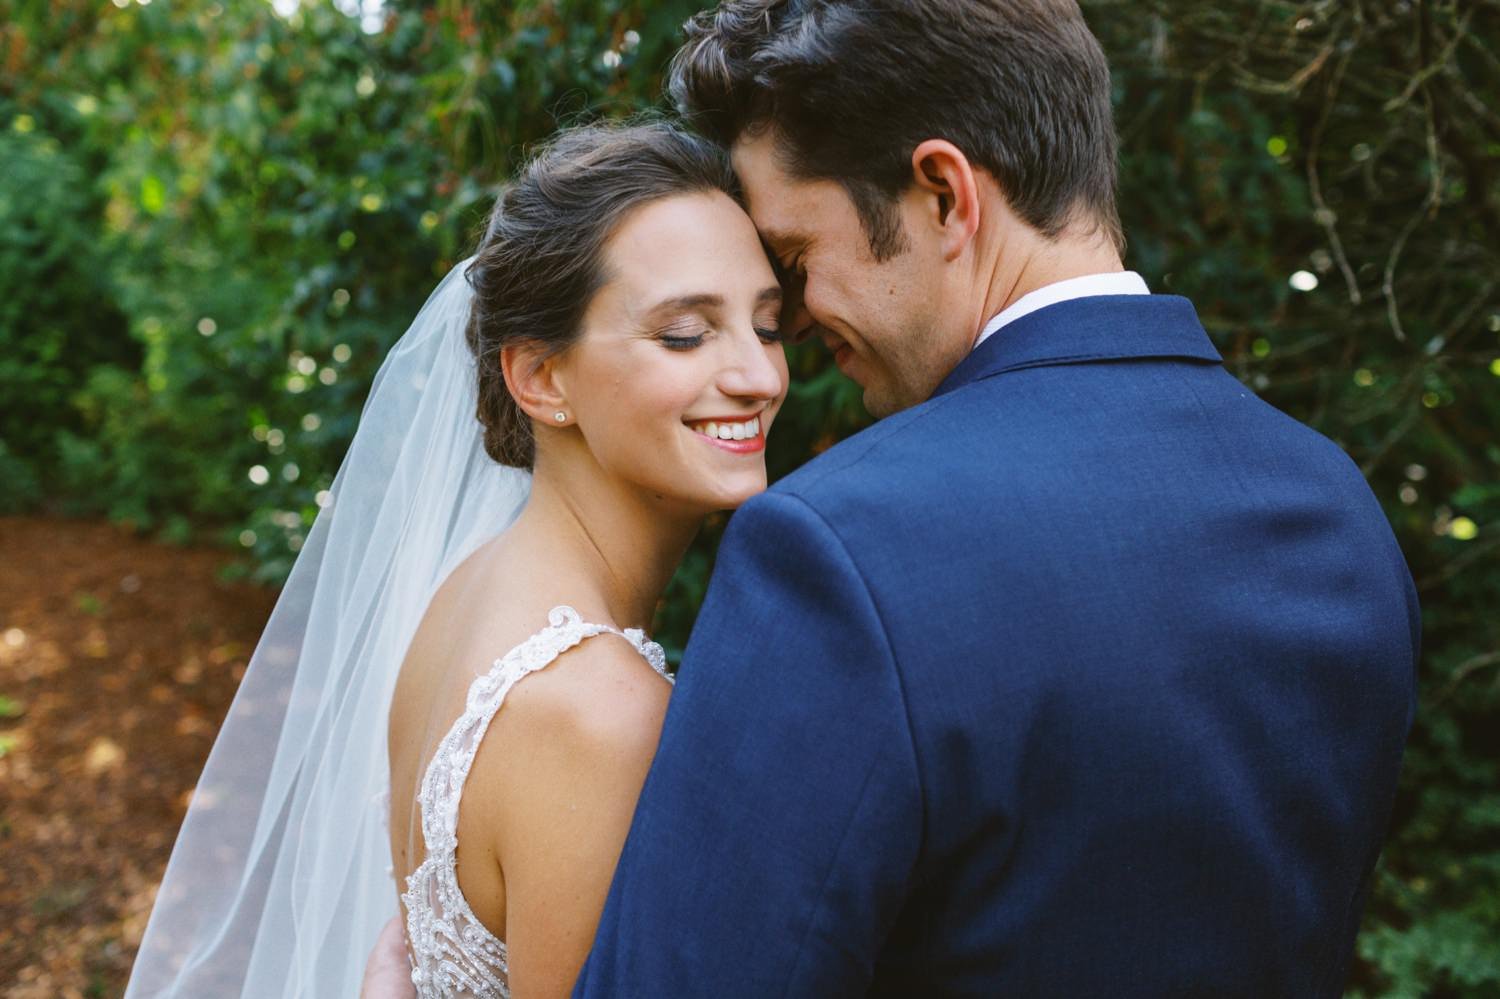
point(748, 430)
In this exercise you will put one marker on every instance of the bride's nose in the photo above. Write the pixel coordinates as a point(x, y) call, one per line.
point(751, 372)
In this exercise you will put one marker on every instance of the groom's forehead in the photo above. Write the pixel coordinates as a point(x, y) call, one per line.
point(779, 203)
point(767, 187)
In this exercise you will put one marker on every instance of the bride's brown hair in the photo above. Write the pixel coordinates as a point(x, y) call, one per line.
point(541, 258)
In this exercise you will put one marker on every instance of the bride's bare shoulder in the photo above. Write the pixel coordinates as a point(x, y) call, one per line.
point(569, 749)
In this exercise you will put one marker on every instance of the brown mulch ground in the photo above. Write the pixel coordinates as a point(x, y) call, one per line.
point(118, 660)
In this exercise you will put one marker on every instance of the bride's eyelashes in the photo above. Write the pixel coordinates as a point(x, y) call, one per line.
point(678, 341)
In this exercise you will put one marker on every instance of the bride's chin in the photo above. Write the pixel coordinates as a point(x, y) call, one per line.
point(744, 496)
point(731, 497)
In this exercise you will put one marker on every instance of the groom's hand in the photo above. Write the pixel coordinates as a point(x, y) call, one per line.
point(387, 971)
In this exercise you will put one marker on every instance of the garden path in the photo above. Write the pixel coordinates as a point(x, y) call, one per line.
point(118, 659)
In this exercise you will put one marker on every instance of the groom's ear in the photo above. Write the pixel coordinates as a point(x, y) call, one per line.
point(531, 376)
point(945, 180)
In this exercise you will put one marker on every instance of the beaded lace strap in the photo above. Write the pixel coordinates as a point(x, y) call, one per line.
point(455, 755)
point(453, 954)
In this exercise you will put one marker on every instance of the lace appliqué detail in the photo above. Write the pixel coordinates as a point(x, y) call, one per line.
point(453, 953)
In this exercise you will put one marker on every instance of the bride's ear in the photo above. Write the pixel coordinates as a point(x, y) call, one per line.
point(531, 376)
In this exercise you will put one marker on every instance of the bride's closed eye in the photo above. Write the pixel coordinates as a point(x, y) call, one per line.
point(679, 341)
point(682, 341)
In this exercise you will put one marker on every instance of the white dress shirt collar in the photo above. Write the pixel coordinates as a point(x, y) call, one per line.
point(1117, 283)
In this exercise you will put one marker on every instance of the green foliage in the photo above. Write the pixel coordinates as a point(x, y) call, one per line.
point(56, 322)
point(215, 222)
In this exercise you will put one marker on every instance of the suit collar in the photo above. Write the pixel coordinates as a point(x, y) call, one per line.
point(1088, 330)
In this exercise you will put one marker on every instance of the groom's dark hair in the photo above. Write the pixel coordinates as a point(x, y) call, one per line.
point(851, 87)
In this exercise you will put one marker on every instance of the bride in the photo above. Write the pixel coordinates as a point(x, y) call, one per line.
point(616, 334)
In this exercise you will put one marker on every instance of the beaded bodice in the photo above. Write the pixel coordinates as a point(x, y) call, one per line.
point(453, 954)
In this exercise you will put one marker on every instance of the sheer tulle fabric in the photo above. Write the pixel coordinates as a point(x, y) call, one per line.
point(279, 881)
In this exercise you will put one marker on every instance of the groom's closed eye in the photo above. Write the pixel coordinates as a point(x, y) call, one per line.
point(796, 324)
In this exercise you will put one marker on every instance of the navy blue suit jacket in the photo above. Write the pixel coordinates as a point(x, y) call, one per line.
point(1089, 676)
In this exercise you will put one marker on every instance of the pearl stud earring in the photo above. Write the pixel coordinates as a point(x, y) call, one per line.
point(560, 416)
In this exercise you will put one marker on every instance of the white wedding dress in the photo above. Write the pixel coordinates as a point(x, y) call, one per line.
point(453, 954)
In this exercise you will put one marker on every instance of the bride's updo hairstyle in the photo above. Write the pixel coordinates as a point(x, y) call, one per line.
point(542, 255)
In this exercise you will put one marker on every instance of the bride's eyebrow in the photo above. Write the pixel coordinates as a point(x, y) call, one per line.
point(704, 302)
point(686, 303)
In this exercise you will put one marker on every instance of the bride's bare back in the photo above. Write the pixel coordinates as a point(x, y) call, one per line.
point(553, 783)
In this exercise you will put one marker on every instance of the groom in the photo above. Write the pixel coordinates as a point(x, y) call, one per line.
point(1084, 671)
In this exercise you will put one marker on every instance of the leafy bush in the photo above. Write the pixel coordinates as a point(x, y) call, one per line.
point(57, 319)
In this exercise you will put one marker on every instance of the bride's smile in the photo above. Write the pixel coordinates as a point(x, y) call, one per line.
point(737, 434)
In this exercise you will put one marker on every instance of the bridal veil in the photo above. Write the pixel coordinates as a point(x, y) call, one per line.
point(279, 881)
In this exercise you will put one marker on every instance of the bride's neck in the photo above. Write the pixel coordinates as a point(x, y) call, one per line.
point(611, 544)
